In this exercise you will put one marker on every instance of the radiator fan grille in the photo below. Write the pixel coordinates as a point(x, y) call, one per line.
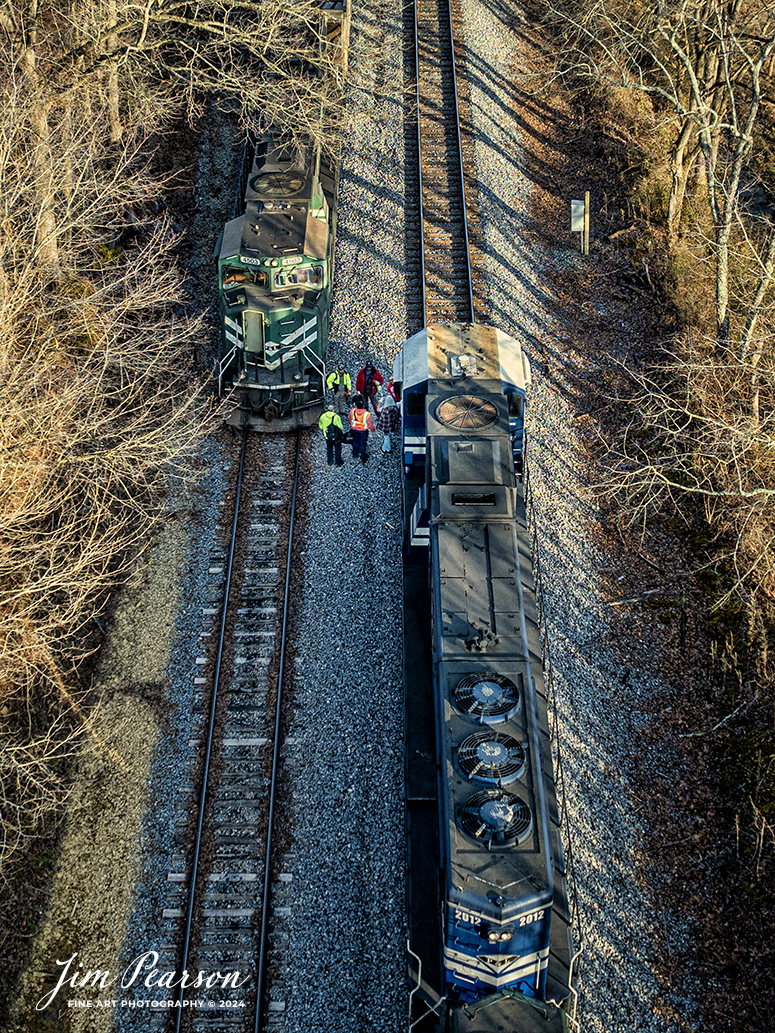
point(491, 757)
point(279, 184)
point(466, 412)
point(491, 698)
point(496, 819)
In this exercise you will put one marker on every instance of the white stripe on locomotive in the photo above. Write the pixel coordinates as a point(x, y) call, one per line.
point(301, 331)
point(272, 347)
point(419, 535)
point(230, 325)
point(471, 968)
point(415, 444)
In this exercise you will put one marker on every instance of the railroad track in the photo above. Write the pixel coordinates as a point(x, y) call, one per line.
point(228, 905)
point(448, 265)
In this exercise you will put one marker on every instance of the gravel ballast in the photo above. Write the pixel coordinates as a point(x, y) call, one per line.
point(348, 939)
point(600, 705)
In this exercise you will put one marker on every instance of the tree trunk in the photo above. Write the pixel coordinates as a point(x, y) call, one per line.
point(46, 247)
point(114, 112)
point(680, 169)
point(722, 282)
point(765, 279)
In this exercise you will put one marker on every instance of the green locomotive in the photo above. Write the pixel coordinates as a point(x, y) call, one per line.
point(275, 265)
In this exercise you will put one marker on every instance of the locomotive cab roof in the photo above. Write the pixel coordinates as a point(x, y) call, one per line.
point(286, 210)
point(462, 353)
point(293, 232)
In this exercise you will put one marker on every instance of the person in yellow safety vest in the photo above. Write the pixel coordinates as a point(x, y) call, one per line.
point(333, 431)
point(340, 385)
point(360, 425)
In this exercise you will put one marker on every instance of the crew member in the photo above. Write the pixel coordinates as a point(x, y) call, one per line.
point(360, 425)
point(388, 420)
point(367, 383)
point(333, 431)
point(340, 385)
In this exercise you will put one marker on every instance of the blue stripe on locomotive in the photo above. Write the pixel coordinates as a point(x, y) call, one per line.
point(520, 945)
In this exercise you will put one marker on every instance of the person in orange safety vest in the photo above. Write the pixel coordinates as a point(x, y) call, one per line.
point(360, 425)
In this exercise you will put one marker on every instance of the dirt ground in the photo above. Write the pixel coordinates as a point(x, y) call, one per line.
point(97, 866)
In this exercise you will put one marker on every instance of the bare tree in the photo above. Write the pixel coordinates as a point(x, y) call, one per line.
point(691, 434)
point(97, 399)
point(98, 405)
point(701, 61)
point(267, 61)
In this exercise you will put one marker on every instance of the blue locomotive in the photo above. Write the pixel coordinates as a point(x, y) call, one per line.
point(504, 938)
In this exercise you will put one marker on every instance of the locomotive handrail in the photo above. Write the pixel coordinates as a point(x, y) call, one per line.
point(430, 1009)
point(221, 365)
point(315, 360)
point(571, 1015)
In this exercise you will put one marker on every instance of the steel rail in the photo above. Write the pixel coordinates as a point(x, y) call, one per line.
point(460, 162)
point(458, 135)
point(419, 161)
point(211, 726)
point(262, 948)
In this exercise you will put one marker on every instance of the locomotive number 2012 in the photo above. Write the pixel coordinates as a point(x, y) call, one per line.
point(465, 916)
point(534, 916)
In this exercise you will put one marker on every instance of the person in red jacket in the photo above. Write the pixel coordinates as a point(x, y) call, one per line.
point(360, 425)
point(367, 384)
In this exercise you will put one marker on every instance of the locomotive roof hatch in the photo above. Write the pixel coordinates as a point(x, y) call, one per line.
point(479, 592)
point(475, 461)
point(277, 233)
